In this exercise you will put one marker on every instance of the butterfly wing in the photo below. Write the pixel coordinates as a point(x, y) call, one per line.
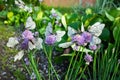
point(65, 45)
point(96, 29)
point(31, 45)
point(95, 40)
point(71, 31)
point(49, 29)
point(30, 24)
point(19, 55)
point(12, 42)
point(38, 43)
point(59, 35)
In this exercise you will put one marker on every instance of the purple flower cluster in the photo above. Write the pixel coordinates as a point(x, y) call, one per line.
point(82, 39)
point(24, 44)
point(88, 58)
point(27, 34)
point(50, 39)
point(87, 36)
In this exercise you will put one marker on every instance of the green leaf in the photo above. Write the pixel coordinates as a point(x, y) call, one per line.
point(10, 15)
point(105, 34)
point(116, 32)
point(111, 18)
point(39, 15)
point(64, 22)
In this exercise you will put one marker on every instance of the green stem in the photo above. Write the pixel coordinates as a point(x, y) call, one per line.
point(78, 67)
point(94, 66)
point(34, 66)
point(83, 72)
point(73, 67)
point(49, 60)
point(66, 77)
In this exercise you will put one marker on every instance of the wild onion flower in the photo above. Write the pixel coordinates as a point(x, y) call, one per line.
point(87, 36)
point(92, 47)
point(80, 40)
point(88, 58)
point(27, 34)
point(50, 39)
point(24, 44)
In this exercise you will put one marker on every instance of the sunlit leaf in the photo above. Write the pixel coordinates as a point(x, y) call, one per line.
point(64, 21)
point(111, 18)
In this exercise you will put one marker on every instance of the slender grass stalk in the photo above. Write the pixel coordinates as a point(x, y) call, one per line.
point(78, 67)
point(34, 66)
point(74, 63)
point(49, 60)
point(66, 77)
point(94, 66)
point(82, 72)
point(29, 72)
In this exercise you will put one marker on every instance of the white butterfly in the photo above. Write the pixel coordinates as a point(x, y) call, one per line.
point(12, 42)
point(22, 5)
point(71, 31)
point(30, 24)
point(36, 43)
point(96, 30)
point(19, 55)
point(59, 34)
point(49, 29)
point(65, 45)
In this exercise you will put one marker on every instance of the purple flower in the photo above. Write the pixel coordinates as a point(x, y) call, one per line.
point(78, 39)
point(24, 44)
point(88, 58)
point(87, 36)
point(26, 61)
point(50, 39)
point(93, 47)
point(27, 34)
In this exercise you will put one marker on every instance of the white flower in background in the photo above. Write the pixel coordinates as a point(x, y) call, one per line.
point(12, 42)
point(19, 55)
point(30, 24)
